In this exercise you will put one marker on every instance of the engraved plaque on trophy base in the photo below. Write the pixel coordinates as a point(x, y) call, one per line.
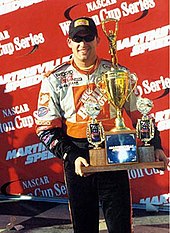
point(121, 147)
point(146, 154)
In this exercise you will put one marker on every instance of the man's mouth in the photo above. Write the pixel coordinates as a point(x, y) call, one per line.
point(84, 51)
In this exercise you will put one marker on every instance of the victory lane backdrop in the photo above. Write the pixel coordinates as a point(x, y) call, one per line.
point(32, 42)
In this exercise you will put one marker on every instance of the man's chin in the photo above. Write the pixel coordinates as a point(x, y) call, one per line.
point(84, 57)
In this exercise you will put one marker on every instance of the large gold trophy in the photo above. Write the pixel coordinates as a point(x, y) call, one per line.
point(117, 84)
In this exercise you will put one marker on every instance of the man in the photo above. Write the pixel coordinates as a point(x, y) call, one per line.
point(61, 126)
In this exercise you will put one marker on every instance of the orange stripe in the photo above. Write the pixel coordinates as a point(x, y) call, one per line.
point(78, 130)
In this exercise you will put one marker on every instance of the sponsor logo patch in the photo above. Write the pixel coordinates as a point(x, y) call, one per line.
point(44, 99)
point(42, 111)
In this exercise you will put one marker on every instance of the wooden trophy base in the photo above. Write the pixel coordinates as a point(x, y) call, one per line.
point(98, 162)
point(116, 167)
point(118, 144)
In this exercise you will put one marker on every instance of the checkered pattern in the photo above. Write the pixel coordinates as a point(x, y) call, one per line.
point(50, 217)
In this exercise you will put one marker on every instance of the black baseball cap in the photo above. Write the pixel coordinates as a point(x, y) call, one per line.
point(82, 24)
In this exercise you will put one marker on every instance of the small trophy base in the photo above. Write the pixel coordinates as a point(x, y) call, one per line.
point(146, 154)
point(97, 157)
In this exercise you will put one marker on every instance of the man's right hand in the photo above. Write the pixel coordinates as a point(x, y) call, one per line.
point(79, 162)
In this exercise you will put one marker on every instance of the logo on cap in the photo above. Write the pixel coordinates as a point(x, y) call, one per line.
point(81, 22)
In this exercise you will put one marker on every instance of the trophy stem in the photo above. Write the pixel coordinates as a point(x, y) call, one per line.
point(93, 120)
point(119, 121)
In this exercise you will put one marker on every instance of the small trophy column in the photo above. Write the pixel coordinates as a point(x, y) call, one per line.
point(145, 130)
point(95, 133)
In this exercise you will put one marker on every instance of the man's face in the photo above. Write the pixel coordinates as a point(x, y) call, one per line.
point(83, 46)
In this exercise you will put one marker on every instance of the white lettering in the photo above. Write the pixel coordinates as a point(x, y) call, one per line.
point(136, 7)
point(6, 49)
point(44, 193)
point(33, 158)
point(154, 86)
point(95, 5)
point(162, 118)
point(33, 153)
point(23, 122)
point(135, 173)
point(146, 41)
point(31, 40)
point(139, 173)
point(158, 200)
point(56, 191)
point(39, 181)
point(4, 35)
point(13, 5)
point(6, 127)
point(125, 9)
point(60, 189)
point(15, 110)
point(29, 76)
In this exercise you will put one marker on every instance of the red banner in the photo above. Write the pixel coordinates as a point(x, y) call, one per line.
point(32, 41)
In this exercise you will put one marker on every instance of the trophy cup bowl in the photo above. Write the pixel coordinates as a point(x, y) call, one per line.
point(117, 84)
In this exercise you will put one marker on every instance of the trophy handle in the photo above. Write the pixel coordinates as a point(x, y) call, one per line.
point(100, 84)
point(135, 80)
point(111, 36)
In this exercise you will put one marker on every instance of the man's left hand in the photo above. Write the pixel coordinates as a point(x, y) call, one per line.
point(160, 156)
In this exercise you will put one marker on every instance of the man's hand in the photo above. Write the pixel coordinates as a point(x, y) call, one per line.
point(160, 156)
point(79, 162)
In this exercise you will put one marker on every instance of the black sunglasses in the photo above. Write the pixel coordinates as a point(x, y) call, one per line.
point(87, 38)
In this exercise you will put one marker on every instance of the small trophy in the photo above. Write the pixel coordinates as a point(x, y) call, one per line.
point(118, 84)
point(145, 130)
point(95, 132)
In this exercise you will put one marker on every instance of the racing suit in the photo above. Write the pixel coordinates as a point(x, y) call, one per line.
point(61, 126)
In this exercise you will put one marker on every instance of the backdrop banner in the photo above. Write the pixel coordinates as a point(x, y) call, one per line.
point(33, 36)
